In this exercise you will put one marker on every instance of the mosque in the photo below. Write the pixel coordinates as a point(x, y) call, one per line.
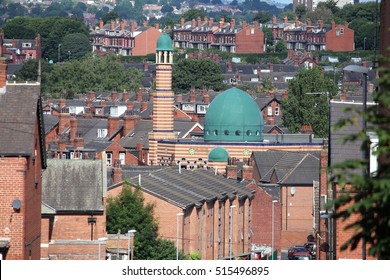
point(233, 127)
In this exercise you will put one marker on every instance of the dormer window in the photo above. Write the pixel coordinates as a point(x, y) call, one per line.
point(26, 45)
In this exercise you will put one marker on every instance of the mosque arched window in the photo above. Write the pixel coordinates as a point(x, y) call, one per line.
point(216, 132)
point(226, 132)
point(238, 132)
point(249, 132)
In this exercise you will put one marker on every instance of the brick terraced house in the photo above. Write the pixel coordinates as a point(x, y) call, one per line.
point(22, 159)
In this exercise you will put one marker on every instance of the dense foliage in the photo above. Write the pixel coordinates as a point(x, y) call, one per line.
point(129, 211)
point(52, 31)
point(81, 76)
point(302, 108)
point(197, 73)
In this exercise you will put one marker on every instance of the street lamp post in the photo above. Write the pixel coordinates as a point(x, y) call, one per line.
point(272, 230)
point(364, 43)
point(231, 232)
point(177, 233)
point(365, 152)
point(130, 233)
point(100, 240)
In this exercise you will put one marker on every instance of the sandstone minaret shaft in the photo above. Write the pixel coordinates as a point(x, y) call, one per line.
point(163, 97)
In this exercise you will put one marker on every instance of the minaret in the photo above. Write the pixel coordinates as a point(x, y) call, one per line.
point(163, 97)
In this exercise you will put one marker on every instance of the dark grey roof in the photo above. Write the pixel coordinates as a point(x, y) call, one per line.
point(341, 151)
point(18, 116)
point(73, 185)
point(98, 145)
point(290, 168)
point(87, 128)
point(51, 122)
point(190, 187)
point(143, 127)
point(13, 68)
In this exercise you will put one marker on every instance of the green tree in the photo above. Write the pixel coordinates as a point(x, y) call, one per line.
point(75, 46)
point(329, 4)
point(198, 73)
point(193, 14)
point(129, 211)
point(262, 17)
point(308, 109)
point(281, 46)
point(300, 11)
point(290, 15)
point(81, 76)
point(321, 12)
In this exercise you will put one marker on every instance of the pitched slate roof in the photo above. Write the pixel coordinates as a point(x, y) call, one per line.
point(341, 151)
point(143, 127)
point(190, 187)
point(290, 168)
point(18, 115)
point(51, 122)
point(73, 185)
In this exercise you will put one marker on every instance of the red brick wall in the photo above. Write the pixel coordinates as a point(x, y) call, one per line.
point(68, 229)
point(262, 219)
point(297, 218)
point(250, 43)
point(17, 181)
point(77, 250)
point(146, 42)
point(343, 42)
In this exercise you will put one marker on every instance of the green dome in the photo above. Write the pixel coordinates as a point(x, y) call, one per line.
point(164, 43)
point(233, 116)
point(218, 154)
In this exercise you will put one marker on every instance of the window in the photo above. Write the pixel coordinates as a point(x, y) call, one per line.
point(341, 30)
point(238, 132)
point(276, 111)
point(215, 132)
point(26, 45)
point(109, 159)
point(122, 156)
point(101, 132)
point(252, 30)
point(269, 111)
point(226, 132)
point(337, 33)
point(249, 132)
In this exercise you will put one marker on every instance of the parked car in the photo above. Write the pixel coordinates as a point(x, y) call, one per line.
point(312, 247)
point(298, 252)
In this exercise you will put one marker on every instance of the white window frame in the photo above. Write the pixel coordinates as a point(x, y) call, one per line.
point(122, 158)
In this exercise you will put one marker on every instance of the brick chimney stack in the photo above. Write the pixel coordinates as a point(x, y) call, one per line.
point(274, 20)
point(139, 95)
point(101, 24)
point(182, 22)
point(117, 173)
point(63, 122)
point(211, 21)
point(112, 125)
point(144, 105)
point(73, 129)
point(306, 129)
point(285, 20)
point(247, 172)
point(193, 23)
point(206, 97)
point(233, 24)
point(244, 24)
point(221, 22)
point(129, 122)
point(199, 22)
point(129, 105)
point(271, 67)
point(125, 96)
point(114, 95)
point(179, 98)
point(296, 22)
point(321, 24)
point(146, 65)
point(3, 74)
point(91, 95)
point(112, 26)
point(192, 95)
point(157, 26)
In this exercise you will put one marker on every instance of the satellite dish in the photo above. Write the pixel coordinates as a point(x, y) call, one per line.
point(292, 191)
point(16, 204)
